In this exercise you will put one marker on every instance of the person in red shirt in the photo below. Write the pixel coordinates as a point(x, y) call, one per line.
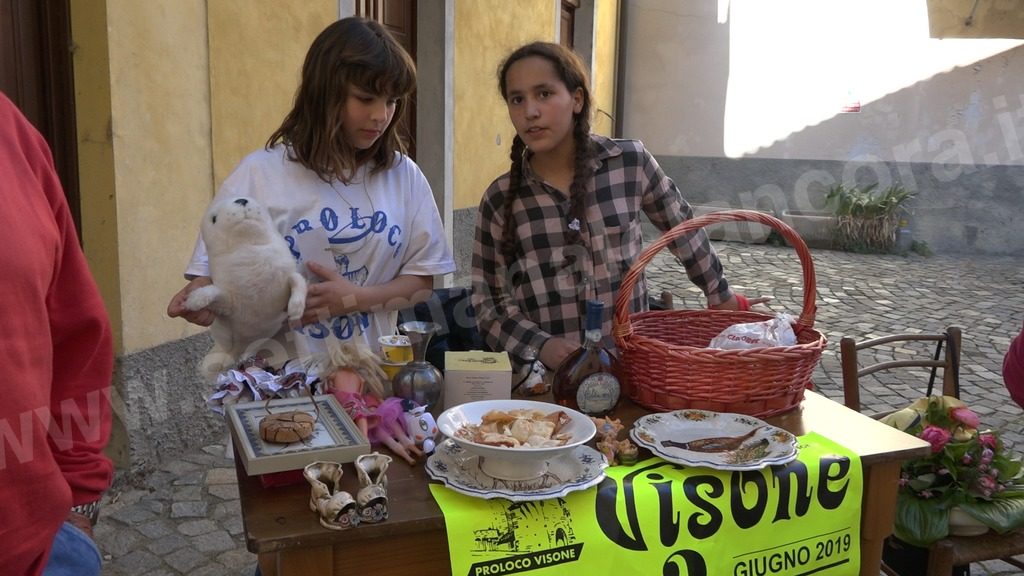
point(1013, 369)
point(57, 353)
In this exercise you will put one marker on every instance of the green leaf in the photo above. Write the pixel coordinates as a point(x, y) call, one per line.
point(1001, 514)
point(920, 522)
point(922, 482)
point(867, 216)
point(1008, 468)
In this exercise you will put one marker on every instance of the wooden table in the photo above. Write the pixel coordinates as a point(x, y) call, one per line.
point(282, 530)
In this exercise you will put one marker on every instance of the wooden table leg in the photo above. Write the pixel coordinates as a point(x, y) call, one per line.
point(940, 559)
point(267, 564)
point(298, 562)
point(881, 485)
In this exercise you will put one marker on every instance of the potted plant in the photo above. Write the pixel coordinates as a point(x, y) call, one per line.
point(968, 474)
point(867, 218)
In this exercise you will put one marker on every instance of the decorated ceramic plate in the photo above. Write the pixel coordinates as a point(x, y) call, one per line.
point(460, 471)
point(714, 439)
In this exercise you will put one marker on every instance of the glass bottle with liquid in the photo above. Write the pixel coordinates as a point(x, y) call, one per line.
point(589, 379)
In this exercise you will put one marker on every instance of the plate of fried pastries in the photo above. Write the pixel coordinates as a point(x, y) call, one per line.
point(515, 439)
point(459, 470)
point(719, 440)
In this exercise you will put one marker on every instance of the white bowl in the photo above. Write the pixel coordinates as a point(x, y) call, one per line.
point(513, 463)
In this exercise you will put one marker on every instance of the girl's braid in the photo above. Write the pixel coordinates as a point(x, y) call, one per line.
point(582, 169)
point(508, 243)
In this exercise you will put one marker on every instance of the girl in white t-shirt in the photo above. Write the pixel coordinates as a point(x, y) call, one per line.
point(357, 213)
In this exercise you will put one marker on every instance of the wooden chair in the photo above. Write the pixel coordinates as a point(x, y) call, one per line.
point(962, 550)
point(665, 302)
point(951, 551)
point(948, 361)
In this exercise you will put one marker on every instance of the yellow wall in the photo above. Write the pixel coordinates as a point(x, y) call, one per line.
point(485, 32)
point(256, 54)
point(606, 42)
point(170, 94)
point(160, 108)
point(96, 152)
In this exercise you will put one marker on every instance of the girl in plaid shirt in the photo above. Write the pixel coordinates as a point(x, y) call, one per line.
point(563, 225)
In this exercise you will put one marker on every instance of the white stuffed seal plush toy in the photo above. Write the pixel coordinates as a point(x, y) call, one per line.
point(256, 286)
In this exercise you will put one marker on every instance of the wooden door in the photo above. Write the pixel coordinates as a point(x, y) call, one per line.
point(567, 32)
point(36, 74)
point(399, 18)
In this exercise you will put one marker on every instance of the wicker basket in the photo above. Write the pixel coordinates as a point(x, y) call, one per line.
point(665, 355)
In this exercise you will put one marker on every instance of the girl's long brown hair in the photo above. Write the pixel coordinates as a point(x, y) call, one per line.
point(573, 74)
point(350, 52)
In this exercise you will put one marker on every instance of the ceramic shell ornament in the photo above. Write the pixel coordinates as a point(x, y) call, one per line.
point(287, 427)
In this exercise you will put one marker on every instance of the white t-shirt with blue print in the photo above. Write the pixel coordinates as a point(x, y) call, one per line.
point(374, 229)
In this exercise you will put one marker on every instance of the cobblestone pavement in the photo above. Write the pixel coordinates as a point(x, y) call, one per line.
point(184, 517)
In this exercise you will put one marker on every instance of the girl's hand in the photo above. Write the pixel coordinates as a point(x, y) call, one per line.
point(734, 304)
point(555, 351)
point(176, 307)
point(334, 296)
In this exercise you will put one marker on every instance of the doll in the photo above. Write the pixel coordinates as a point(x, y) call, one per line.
point(390, 430)
point(352, 373)
point(421, 425)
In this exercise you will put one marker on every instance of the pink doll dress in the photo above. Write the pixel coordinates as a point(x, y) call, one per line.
point(390, 414)
point(359, 406)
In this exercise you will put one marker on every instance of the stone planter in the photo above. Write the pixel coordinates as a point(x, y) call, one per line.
point(816, 228)
point(748, 232)
point(963, 524)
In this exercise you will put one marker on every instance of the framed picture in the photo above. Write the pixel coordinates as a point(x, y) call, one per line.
point(336, 438)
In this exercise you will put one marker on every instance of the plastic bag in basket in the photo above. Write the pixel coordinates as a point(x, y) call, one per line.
point(775, 332)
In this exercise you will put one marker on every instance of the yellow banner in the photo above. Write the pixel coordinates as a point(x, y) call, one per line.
point(661, 518)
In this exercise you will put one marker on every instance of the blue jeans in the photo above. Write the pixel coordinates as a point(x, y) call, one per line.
point(73, 554)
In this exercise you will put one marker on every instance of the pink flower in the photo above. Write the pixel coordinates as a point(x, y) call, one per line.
point(988, 440)
point(964, 462)
point(965, 416)
point(935, 436)
point(987, 482)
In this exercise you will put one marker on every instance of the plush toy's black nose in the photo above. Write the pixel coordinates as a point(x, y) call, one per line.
point(241, 201)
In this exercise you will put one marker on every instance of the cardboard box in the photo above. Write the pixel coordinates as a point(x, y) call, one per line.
point(476, 375)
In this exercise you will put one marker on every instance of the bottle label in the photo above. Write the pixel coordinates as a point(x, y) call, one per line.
point(598, 393)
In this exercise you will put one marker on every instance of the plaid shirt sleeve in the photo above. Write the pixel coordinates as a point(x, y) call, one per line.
point(499, 317)
point(665, 206)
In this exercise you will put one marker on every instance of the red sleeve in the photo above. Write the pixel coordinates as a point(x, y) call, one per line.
point(82, 355)
point(1013, 369)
